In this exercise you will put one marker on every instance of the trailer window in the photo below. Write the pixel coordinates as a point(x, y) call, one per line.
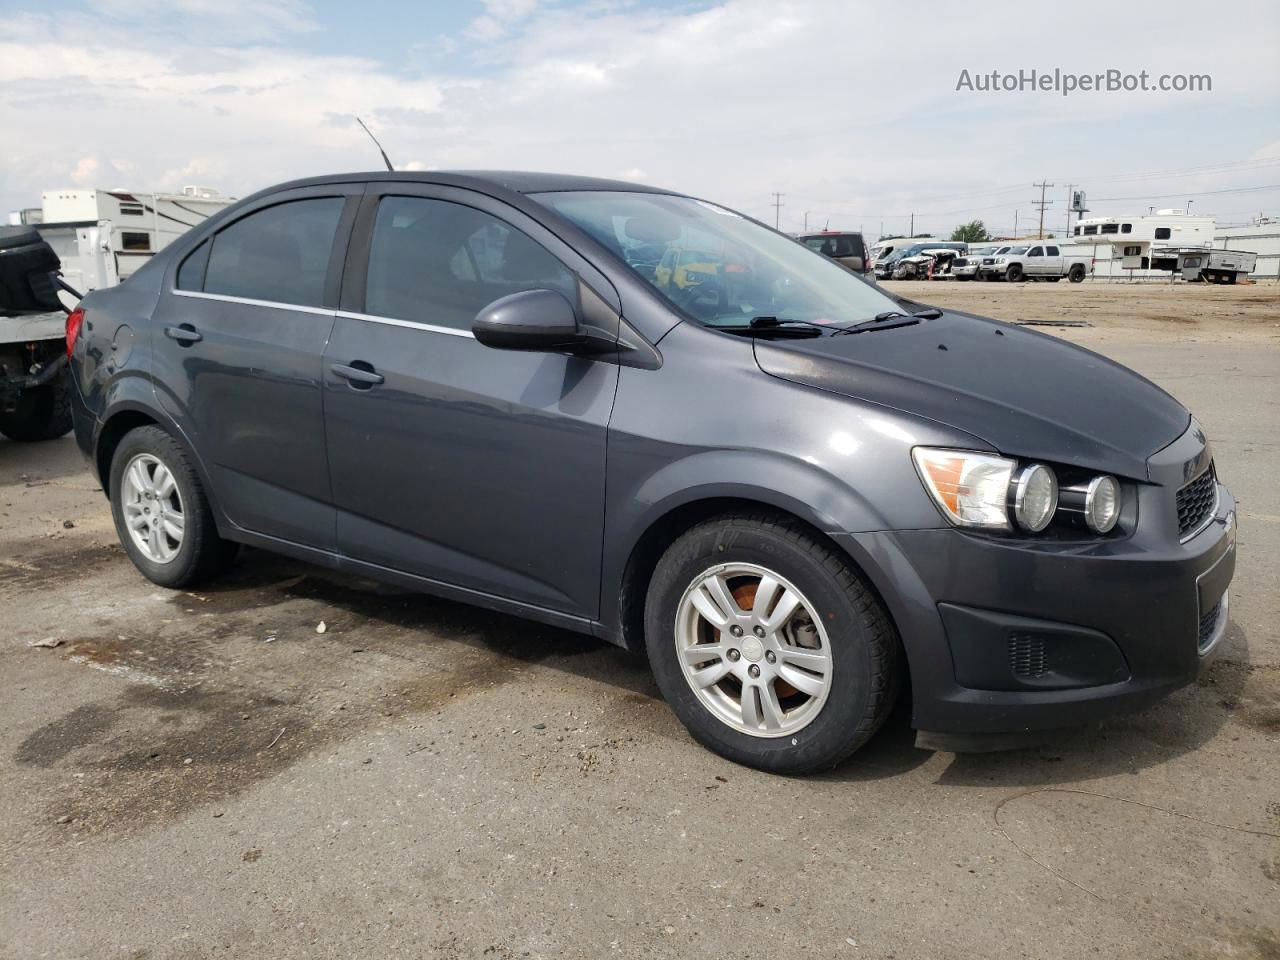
point(1110, 228)
point(1090, 230)
point(1163, 233)
point(135, 242)
point(1132, 251)
point(1126, 228)
point(1077, 231)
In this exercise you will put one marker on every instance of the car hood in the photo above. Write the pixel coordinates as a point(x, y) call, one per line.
point(1024, 393)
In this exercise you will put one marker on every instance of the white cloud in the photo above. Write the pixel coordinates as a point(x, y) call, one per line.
point(851, 111)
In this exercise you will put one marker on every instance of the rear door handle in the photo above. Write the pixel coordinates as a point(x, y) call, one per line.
point(361, 377)
point(185, 333)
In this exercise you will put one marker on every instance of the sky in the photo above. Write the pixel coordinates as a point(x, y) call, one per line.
point(849, 110)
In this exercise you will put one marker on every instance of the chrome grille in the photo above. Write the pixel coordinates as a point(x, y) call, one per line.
point(1196, 501)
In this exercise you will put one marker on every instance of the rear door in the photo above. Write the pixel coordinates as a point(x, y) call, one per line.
point(237, 348)
point(454, 461)
point(1052, 262)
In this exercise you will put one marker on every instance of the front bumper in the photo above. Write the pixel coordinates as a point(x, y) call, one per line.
point(1017, 635)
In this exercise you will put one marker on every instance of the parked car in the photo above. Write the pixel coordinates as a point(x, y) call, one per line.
point(887, 264)
point(1037, 261)
point(846, 248)
point(931, 263)
point(797, 493)
point(967, 267)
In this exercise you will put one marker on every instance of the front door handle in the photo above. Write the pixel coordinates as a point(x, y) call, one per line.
point(184, 333)
point(361, 377)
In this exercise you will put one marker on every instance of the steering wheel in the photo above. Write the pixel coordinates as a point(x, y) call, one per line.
point(686, 297)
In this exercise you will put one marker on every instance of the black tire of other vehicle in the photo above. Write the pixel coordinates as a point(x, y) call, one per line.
point(1076, 273)
point(1014, 272)
point(42, 413)
point(202, 554)
point(865, 651)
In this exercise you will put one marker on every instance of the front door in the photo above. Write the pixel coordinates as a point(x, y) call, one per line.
point(450, 460)
point(237, 354)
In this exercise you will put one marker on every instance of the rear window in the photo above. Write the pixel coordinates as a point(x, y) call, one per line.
point(279, 254)
point(836, 245)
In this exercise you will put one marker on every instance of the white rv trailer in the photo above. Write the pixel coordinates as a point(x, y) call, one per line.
point(1141, 246)
point(104, 236)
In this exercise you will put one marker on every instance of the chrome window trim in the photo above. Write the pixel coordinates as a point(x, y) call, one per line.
point(273, 304)
point(410, 324)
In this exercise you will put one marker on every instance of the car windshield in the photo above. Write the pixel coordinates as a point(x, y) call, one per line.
point(741, 269)
point(1017, 251)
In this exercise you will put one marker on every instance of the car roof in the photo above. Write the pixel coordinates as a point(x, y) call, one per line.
point(515, 181)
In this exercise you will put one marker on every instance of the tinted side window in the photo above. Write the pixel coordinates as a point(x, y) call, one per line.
point(191, 271)
point(1051, 251)
point(437, 262)
point(280, 253)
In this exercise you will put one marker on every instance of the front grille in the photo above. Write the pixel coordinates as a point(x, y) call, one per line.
point(959, 262)
point(1208, 625)
point(1027, 656)
point(1196, 501)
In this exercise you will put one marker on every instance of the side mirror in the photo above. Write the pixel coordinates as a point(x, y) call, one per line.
point(529, 320)
point(27, 267)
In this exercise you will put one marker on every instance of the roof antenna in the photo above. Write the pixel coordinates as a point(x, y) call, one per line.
point(376, 144)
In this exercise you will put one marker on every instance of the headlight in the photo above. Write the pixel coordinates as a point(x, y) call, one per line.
point(972, 489)
point(1102, 504)
point(1035, 497)
point(1000, 259)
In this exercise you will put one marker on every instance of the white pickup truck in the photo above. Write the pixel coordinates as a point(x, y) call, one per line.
point(1039, 261)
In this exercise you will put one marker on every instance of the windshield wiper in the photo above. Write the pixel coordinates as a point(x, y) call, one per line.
point(892, 319)
point(775, 327)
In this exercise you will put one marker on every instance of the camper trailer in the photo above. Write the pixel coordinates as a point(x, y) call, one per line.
point(1141, 246)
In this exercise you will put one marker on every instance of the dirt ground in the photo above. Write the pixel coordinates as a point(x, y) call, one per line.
point(210, 774)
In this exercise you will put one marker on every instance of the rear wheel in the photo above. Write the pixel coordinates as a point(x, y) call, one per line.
point(1076, 273)
point(768, 645)
point(41, 413)
point(162, 514)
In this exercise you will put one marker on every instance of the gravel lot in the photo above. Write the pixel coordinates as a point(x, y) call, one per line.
point(191, 775)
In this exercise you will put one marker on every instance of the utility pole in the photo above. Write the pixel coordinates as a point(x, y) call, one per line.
point(912, 231)
point(806, 221)
point(1070, 187)
point(1015, 224)
point(777, 211)
point(1042, 203)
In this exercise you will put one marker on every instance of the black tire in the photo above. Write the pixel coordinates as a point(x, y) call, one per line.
point(202, 553)
point(1013, 273)
point(42, 413)
point(864, 645)
point(1076, 273)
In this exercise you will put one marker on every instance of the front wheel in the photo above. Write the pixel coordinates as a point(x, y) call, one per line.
point(162, 514)
point(768, 645)
point(1014, 273)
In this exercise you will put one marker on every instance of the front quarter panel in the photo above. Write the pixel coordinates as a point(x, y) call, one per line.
point(710, 424)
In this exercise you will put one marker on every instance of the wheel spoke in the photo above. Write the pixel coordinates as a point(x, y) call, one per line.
point(713, 600)
point(164, 482)
point(138, 478)
point(814, 660)
point(766, 592)
point(702, 652)
point(155, 539)
point(712, 674)
point(783, 611)
point(750, 707)
point(802, 681)
point(772, 708)
point(172, 524)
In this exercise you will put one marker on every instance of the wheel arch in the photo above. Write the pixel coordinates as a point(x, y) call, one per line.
point(664, 530)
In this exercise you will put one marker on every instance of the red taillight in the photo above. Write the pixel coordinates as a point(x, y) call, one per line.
point(74, 319)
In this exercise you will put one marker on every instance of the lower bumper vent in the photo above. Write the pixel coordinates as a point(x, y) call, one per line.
point(1027, 656)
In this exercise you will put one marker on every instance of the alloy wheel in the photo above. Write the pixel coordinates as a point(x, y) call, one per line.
point(152, 508)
